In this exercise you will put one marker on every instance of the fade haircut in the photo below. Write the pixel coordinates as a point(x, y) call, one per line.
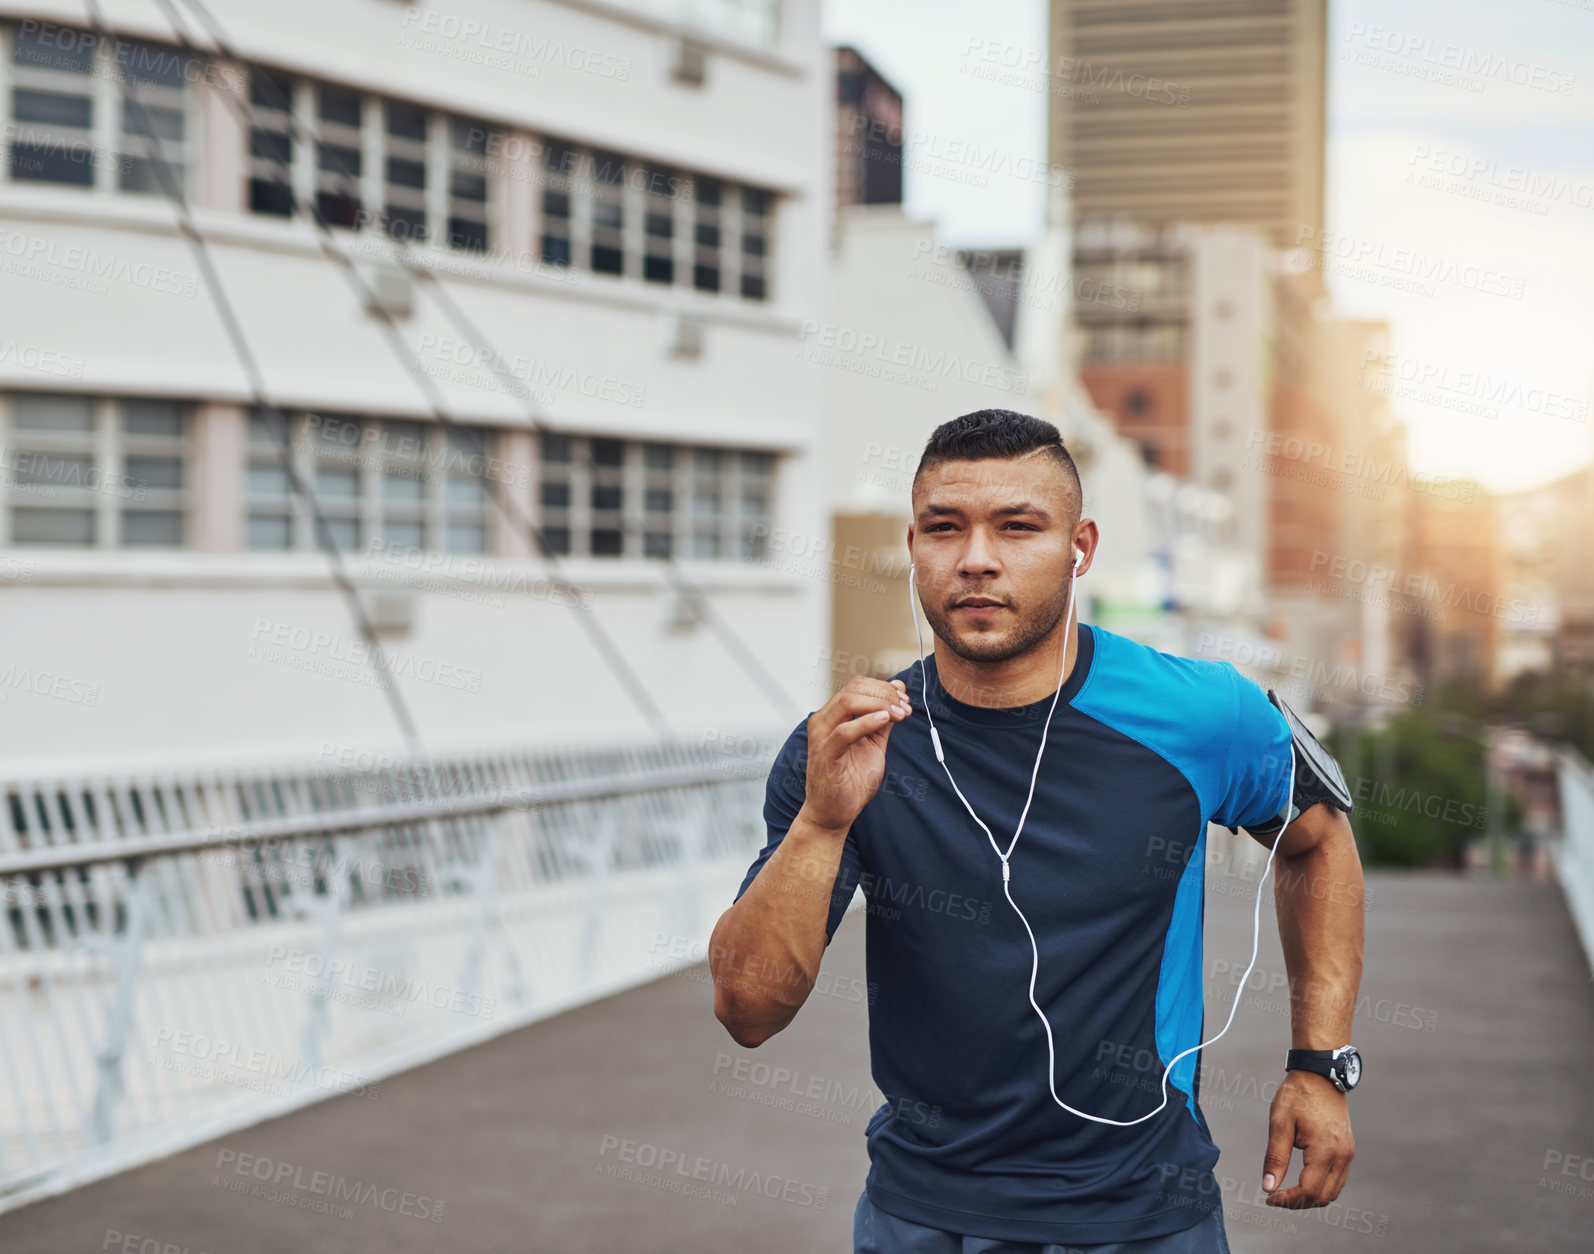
point(988, 434)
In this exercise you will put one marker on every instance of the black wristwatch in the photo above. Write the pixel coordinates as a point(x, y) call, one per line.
point(1343, 1066)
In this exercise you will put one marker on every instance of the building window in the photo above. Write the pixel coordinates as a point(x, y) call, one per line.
point(432, 170)
point(154, 128)
point(392, 485)
point(466, 503)
point(755, 243)
point(558, 164)
point(52, 107)
point(608, 214)
point(603, 497)
point(754, 490)
point(557, 491)
point(708, 194)
point(336, 457)
point(339, 114)
point(96, 474)
point(467, 185)
point(618, 215)
point(658, 242)
point(153, 450)
point(270, 167)
point(658, 500)
point(608, 498)
point(404, 172)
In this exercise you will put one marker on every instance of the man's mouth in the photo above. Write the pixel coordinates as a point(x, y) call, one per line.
point(978, 603)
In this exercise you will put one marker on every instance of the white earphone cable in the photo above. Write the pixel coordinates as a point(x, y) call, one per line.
point(1007, 890)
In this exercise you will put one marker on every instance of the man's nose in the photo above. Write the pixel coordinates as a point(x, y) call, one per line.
point(979, 554)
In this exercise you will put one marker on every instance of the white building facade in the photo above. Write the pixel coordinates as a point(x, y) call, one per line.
point(598, 232)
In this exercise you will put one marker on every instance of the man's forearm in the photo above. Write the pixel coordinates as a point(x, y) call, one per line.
point(1320, 897)
point(765, 951)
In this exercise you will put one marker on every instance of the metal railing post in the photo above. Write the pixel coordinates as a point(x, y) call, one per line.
point(119, 1019)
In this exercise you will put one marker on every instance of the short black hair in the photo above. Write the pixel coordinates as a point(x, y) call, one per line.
point(997, 433)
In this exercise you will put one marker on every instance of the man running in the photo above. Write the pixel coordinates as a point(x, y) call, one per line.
point(1047, 1022)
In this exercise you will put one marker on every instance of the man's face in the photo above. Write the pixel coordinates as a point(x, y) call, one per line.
point(992, 546)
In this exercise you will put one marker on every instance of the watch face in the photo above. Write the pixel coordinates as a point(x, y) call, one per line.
point(1351, 1061)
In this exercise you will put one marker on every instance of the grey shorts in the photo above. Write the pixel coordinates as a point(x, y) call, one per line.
point(875, 1232)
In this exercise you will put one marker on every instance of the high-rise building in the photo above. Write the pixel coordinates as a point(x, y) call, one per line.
point(1192, 110)
point(868, 134)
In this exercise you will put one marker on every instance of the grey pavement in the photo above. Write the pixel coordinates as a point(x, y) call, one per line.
point(564, 1136)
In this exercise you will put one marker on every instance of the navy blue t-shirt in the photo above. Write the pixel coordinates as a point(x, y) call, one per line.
point(1144, 750)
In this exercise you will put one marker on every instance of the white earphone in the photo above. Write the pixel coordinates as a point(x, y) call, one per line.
point(1007, 870)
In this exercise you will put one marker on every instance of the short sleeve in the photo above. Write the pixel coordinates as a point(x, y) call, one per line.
point(1257, 773)
point(783, 798)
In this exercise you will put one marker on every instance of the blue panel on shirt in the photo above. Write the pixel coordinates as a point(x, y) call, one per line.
point(1144, 749)
point(1173, 706)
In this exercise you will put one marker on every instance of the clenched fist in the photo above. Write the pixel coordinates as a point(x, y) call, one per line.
point(847, 749)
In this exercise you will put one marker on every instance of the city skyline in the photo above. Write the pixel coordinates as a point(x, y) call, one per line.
point(1480, 274)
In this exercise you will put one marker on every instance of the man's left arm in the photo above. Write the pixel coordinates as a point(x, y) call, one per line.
point(1319, 893)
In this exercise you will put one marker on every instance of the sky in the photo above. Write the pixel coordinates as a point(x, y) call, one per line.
point(1460, 140)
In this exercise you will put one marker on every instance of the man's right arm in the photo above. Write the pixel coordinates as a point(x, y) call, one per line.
point(765, 951)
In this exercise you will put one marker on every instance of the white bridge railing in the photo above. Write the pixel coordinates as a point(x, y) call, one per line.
point(1574, 852)
point(186, 952)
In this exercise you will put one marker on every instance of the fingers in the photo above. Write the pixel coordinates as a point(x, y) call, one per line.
point(864, 725)
point(1324, 1170)
point(860, 697)
point(1280, 1143)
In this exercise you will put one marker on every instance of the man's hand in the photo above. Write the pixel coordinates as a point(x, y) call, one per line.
point(1308, 1114)
point(847, 749)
